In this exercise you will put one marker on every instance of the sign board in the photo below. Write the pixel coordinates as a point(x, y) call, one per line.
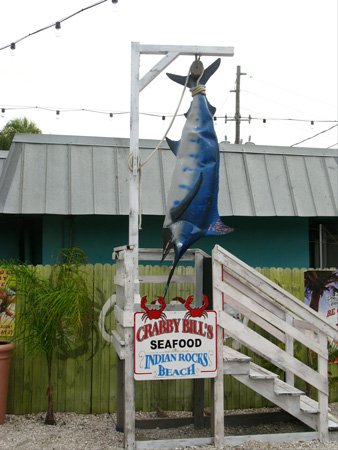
point(321, 293)
point(7, 305)
point(175, 346)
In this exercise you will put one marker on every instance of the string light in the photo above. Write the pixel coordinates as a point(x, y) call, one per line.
point(56, 24)
point(163, 116)
point(57, 29)
point(13, 48)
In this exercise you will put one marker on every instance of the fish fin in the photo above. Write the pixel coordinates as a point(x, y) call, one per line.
point(209, 71)
point(180, 79)
point(177, 211)
point(173, 145)
point(218, 228)
point(212, 109)
point(187, 113)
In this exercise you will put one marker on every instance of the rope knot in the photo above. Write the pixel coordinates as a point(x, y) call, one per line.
point(199, 89)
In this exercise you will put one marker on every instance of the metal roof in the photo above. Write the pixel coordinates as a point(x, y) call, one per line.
point(52, 174)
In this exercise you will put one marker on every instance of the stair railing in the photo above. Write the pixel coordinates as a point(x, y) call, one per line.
point(278, 313)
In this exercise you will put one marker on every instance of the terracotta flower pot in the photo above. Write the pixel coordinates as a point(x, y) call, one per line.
point(5, 361)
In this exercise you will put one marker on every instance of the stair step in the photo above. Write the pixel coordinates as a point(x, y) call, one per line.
point(282, 388)
point(308, 405)
point(234, 362)
point(259, 373)
point(333, 425)
point(230, 354)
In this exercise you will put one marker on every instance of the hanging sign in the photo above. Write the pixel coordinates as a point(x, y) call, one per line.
point(7, 304)
point(321, 293)
point(175, 344)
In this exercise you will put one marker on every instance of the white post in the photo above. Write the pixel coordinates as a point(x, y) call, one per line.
point(134, 187)
point(218, 382)
point(323, 397)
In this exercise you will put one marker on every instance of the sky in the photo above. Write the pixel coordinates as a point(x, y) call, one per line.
point(287, 50)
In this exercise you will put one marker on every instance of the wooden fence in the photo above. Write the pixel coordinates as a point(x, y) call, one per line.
point(87, 384)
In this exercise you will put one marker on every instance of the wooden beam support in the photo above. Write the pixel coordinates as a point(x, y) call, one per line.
point(199, 50)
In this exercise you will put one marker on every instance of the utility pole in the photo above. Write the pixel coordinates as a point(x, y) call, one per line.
point(238, 113)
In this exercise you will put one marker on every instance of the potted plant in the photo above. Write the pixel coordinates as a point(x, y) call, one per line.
point(6, 349)
point(7, 306)
point(57, 315)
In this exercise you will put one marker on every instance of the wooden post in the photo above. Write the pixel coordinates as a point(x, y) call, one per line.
point(218, 382)
point(134, 160)
point(323, 397)
point(198, 389)
point(289, 348)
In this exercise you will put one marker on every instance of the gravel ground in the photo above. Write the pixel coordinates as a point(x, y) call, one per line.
point(97, 432)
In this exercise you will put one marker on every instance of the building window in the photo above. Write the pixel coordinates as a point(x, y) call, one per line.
point(324, 243)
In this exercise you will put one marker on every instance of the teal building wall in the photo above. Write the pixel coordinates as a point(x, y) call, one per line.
point(260, 242)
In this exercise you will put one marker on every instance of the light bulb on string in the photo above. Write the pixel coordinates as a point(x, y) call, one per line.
point(264, 123)
point(116, 7)
point(57, 29)
point(57, 114)
point(111, 115)
point(12, 47)
point(312, 124)
point(3, 112)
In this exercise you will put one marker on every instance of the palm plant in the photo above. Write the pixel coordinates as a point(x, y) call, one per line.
point(19, 125)
point(58, 312)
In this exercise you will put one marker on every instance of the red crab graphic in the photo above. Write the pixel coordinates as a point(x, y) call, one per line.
point(153, 313)
point(197, 311)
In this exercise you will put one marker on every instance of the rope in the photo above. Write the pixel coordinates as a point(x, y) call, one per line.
point(198, 89)
point(170, 125)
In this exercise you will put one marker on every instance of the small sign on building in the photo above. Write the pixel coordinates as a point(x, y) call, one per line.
point(175, 346)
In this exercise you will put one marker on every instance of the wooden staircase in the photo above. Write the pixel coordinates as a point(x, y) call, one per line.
point(272, 325)
point(271, 322)
point(270, 386)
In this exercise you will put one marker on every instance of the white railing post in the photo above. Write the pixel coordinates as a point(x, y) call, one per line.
point(289, 348)
point(218, 383)
point(323, 398)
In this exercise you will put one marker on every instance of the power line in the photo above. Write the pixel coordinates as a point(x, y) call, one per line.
point(317, 134)
point(56, 24)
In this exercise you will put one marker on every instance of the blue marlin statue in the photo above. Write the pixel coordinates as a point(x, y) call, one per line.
point(192, 204)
